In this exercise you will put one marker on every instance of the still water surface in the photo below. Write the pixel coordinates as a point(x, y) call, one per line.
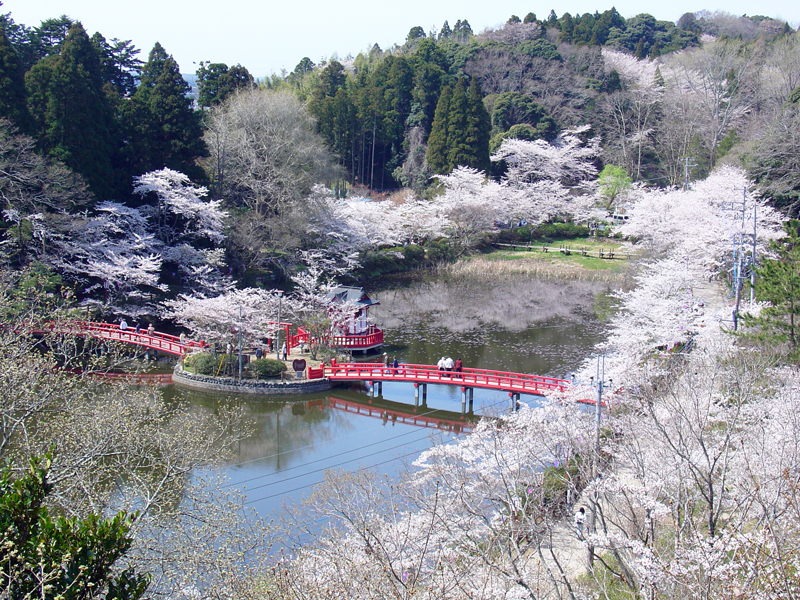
point(546, 328)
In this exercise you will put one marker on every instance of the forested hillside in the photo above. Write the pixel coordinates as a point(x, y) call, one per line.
point(656, 103)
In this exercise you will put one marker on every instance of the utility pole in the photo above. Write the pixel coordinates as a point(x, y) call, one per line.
point(598, 413)
point(738, 252)
point(240, 342)
point(278, 333)
point(686, 166)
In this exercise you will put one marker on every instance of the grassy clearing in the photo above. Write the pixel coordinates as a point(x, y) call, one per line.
point(553, 264)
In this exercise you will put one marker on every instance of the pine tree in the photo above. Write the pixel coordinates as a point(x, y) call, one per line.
point(437, 141)
point(164, 130)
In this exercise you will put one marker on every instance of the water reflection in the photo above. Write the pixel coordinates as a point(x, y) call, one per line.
point(520, 325)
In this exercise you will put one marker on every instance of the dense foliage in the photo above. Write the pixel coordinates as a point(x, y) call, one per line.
point(68, 558)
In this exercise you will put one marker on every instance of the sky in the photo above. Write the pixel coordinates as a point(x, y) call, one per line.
point(266, 36)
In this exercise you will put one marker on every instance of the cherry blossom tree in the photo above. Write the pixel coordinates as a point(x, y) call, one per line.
point(634, 109)
point(114, 256)
point(219, 318)
point(180, 213)
point(312, 305)
point(567, 159)
point(120, 254)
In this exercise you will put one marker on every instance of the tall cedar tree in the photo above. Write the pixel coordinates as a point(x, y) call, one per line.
point(459, 148)
point(437, 142)
point(163, 128)
point(215, 82)
point(13, 102)
point(778, 283)
point(479, 128)
point(73, 112)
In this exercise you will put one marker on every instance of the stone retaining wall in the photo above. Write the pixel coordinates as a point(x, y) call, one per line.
point(248, 386)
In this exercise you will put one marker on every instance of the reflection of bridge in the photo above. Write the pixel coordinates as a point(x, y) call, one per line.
point(109, 331)
point(468, 379)
point(397, 412)
point(159, 379)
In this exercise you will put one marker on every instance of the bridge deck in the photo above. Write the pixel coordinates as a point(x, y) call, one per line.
point(522, 383)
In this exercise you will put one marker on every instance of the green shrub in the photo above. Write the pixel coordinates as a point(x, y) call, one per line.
point(414, 254)
point(203, 363)
point(560, 231)
point(267, 367)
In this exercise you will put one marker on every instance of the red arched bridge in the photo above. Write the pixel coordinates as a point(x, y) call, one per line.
point(468, 379)
point(114, 333)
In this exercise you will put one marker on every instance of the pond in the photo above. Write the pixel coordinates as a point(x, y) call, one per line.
point(521, 325)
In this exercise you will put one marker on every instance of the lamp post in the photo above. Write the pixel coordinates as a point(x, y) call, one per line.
point(278, 343)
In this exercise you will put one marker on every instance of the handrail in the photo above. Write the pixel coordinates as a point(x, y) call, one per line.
point(373, 337)
point(468, 377)
point(156, 340)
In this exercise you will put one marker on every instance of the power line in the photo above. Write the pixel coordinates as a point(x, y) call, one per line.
point(337, 465)
point(279, 454)
point(308, 485)
point(316, 460)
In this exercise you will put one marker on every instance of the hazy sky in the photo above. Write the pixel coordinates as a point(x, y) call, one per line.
point(266, 35)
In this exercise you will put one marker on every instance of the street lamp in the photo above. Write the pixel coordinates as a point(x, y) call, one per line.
point(278, 343)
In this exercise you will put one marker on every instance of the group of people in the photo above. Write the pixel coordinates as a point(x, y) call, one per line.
point(390, 363)
point(123, 326)
point(448, 364)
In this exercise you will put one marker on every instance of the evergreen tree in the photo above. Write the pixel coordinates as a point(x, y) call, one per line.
point(72, 113)
point(13, 102)
point(567, 26)
point(215, 82)
point(437, 141)
point(778, 283)
point(479, 128)
point(163, 128)
point(462, 32)
point(68, 558)
point(445, 32)
point(428, 81)
point(459, 147)
point(118, 63)
point(639, 52)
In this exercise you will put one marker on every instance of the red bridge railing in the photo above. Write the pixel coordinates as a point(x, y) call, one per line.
point(480, 378)
point(372, 338)
point(110, 331)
